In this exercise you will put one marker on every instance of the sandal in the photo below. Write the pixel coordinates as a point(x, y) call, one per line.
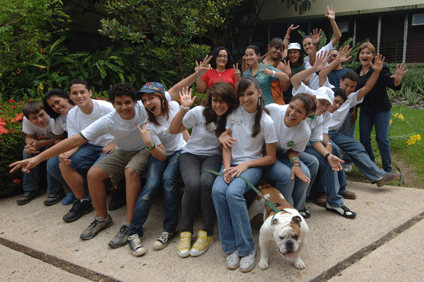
point(305, 213)
point(343, 211)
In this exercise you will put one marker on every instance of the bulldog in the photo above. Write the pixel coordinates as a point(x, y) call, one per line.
point(287, 228)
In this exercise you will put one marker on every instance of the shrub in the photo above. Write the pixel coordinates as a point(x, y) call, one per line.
point(12, 141)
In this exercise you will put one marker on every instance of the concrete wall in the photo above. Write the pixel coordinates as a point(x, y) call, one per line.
point(274, 10)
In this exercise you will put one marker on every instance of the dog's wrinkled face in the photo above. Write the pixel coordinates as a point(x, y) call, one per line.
point(287, 233)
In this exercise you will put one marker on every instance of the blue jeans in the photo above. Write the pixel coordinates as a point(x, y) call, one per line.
point(31, 181)
point(348, 129)
point(293, 190)
point(357, 154)
point(381, 121)
point(328, 180)
point(235, 232)
point(159, 173)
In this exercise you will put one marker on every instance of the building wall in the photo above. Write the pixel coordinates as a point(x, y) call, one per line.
point(274, 9)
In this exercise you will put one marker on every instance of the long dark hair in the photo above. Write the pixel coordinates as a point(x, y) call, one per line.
point(224, 91)
point(215, 54)
point(55, 92)
point(245, 82)
point(276, 42)
point(308, 102)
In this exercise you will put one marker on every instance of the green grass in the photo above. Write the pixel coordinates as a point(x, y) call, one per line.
point(410, 159)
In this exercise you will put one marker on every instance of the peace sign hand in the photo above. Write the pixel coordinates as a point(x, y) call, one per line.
point(202, 67)
point(146, 135)
point(237, 72)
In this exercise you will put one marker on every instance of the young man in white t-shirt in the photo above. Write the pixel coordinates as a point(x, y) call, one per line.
point(129, 159)
point(75, 163)
point(37, 124)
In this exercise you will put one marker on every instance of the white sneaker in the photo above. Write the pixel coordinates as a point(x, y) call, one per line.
point(248, 262)
point(347, 167)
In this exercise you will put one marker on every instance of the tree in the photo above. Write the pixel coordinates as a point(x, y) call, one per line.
point(166, 29)
point(24, 26)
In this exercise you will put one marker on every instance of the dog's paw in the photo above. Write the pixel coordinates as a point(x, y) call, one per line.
point(263, 263)
point(299, 264)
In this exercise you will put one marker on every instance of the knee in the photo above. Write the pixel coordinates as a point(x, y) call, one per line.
point(130, 173)
point(96, 174)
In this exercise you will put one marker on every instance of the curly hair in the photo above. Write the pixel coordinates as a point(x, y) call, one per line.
point(122, 89)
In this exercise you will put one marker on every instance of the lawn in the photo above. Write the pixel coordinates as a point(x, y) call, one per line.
point(407, 156)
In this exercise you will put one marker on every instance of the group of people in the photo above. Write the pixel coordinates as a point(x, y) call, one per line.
point(280, 119)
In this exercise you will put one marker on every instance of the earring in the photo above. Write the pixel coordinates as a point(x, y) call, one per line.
point(259, 102)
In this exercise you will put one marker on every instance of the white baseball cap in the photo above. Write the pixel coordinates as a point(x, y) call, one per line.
point(294, 46)
point(325, 93)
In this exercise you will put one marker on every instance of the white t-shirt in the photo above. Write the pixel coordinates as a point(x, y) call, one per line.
point(76, 121)
point(303, 89)
point(248, 148)
point(171, 142)
point(296, 137)
point(30, 128)
point(315, 124)
point(203, 140)
point(126, 134)
point(60, 125)
point(313, 83)
point(340, 115)
point(327, 116)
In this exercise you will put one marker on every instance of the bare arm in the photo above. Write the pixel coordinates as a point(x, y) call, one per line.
point(186, 100)
point(158, 151)
point(69, 143)
point(377, 67)
point(296, 168)
point(316, 38)
point(341, 58)
point(297, 79)
point(336, 31)
point(333, 160)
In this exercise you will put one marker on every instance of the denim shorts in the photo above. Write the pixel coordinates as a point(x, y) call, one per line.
point(87, 155)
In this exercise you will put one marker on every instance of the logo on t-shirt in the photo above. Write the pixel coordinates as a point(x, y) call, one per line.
point(211, 126)
point(290, 143)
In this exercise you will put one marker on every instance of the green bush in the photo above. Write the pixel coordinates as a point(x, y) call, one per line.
point(12, 141)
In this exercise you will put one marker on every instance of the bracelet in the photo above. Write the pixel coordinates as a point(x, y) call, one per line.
point(327, 155)
point(151, 147)
point(287, 36)
point(293, 159)
point(273, 73)
point(47, 154)
point(185, 108)
point(224, 171)
point(329, 143)
point(296, 164)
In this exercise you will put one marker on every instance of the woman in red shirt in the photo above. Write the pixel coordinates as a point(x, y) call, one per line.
point(222, 70)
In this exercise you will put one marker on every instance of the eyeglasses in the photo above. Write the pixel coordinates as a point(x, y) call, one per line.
point(222, 56)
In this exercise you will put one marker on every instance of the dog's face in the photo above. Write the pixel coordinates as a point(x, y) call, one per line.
point(287, 233)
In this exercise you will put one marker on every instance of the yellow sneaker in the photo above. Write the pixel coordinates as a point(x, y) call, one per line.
point(184, 244)
point(202, 244)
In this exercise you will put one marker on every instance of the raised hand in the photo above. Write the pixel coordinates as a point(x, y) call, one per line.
point(343, 53)
point(331, 13)
point(202, 67)
point(286, 67)
point(378, 63)
point(316, 36)
point(237, 72)
point(185, 97)
point(291, 28)
point(400, 71)
point(320, 61)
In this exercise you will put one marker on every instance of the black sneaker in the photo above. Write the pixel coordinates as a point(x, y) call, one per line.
point(121, 237)
point(343, 211)
point(163, 240)
point(136, 247)
point(27, 197)
point(79, 208)
point(54, 198)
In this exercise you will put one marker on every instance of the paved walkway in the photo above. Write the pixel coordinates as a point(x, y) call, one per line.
point(384, 243)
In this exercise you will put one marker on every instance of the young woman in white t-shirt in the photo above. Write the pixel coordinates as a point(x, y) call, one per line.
point(57, 103)
point(252, 128)
point(201, 152)
point(163, 169)
point(293, 168)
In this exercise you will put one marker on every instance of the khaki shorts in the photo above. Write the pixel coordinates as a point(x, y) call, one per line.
point(116, 163)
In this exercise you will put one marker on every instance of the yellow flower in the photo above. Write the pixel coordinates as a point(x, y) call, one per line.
point(401, 117)
point(391, 121)
point(396, 115)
